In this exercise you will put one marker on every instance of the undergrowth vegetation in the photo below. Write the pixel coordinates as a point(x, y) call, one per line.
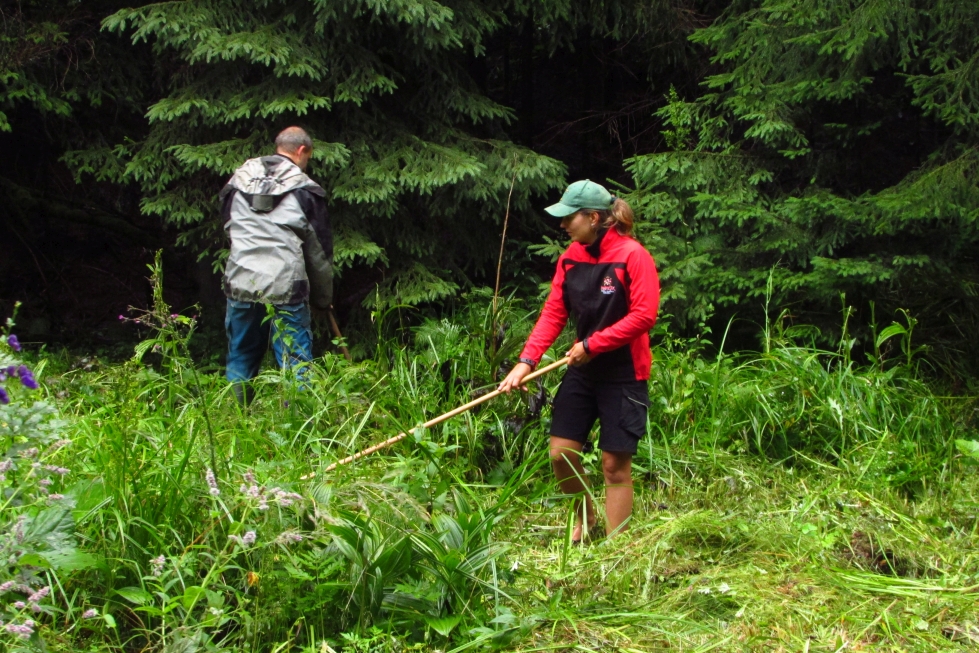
point(788, 499)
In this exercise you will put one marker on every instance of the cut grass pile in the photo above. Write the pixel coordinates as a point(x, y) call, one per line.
point(733, 553)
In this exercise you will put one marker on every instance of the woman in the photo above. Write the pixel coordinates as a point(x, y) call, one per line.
point(608, 282)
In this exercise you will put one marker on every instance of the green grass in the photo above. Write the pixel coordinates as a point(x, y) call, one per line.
point(786, 500)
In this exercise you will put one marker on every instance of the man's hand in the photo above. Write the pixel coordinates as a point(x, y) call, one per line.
point(322, 318)
point(578, 355)
point(515, 377)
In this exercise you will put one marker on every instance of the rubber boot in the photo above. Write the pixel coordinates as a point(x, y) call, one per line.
point(244, 393)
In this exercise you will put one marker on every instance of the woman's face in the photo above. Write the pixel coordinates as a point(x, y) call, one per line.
point(582, 226)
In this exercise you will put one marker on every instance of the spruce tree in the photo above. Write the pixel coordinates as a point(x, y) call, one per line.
point(415, 158)
point(832, 146)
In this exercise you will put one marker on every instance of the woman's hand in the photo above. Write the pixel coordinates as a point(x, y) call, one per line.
point(515, 377)
point(578, 355)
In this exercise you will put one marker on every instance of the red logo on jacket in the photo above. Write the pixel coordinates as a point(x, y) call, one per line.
point(607, 287)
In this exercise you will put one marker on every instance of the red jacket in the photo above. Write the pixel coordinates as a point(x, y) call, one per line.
point(612, 290)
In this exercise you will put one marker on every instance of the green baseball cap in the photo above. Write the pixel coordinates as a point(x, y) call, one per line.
point(584, 194)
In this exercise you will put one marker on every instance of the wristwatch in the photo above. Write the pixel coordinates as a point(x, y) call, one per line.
point(528, 361)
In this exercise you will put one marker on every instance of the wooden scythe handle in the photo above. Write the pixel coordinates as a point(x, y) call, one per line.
point(336, 332)
point(441, 418)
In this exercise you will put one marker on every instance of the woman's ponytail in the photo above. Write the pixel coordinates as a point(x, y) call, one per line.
point(620, 215)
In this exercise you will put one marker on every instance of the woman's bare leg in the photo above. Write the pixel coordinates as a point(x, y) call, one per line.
point(617, 468)
point(566, 461)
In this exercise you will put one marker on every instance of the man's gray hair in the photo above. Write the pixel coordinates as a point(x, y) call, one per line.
point(291, 138)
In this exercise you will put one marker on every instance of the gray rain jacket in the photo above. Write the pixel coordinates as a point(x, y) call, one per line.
point(281, 241)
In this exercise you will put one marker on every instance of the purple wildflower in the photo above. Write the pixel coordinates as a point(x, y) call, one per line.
point(91, 613)
point(11, 370)
point(6, 587)
point(26, 377)
point(54, 469)
point(56, 497)
point(122, 317)
point(29, 453)
point(286, 499)
point(13, 342)
point(289, 537)
point(249, 491)
point(60, 444)
point(19, 605)
point(24, 631)
point(4, 397)
point(45, 482)
point(212, 482)
point(244, 540)
point(38, 595)
point(158, 565)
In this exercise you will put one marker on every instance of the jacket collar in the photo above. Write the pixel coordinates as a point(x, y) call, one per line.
point(594, 249)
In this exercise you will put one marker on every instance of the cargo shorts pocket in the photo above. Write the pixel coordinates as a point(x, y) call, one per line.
point(635, 406)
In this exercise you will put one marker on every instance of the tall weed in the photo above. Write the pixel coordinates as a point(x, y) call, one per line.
point(794, 401)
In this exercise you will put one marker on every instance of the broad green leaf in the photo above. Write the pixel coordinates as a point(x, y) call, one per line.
point(968, 447)
point(214, 599)
point(70, 560)
point(443, 625)
point(34, 560)
point(136, 595)
point(889, 332)
point(192, 595)
point(144, 347)
point(50, 523)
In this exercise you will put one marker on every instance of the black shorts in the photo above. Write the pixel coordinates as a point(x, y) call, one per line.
point(621, 408)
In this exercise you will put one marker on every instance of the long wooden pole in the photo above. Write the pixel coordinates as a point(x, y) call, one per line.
point(499, 263)
point(441, 418)
point(336, 332)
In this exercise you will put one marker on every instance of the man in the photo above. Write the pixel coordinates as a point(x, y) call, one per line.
point(281, 260)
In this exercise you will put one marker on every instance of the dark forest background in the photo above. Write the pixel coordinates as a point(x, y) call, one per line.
point(802, 154)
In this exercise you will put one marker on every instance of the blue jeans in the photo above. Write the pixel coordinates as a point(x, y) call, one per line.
point(249, 327)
